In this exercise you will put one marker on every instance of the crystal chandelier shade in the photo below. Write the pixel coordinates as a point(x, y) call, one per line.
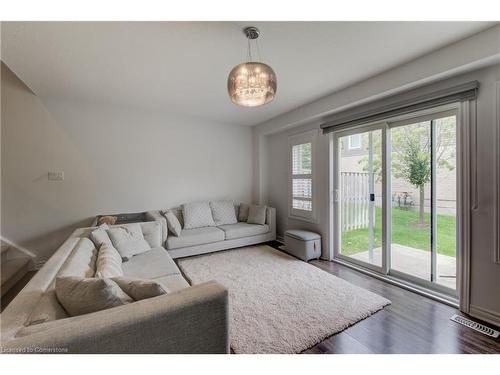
point(251, 84)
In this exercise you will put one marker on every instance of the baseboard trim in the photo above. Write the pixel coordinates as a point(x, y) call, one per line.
point(487, 315)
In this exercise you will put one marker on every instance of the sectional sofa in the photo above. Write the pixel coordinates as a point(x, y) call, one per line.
point(208, 239)
point(188, 319)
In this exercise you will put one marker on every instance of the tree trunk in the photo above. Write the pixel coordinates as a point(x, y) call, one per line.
point(421, 208)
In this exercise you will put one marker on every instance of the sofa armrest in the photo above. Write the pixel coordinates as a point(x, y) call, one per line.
point(157, 216)
point(192, 320)
point(271, 219)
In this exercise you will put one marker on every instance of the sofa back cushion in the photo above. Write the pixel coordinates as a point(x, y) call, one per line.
point(223, 212)
point(197, 215)
point(109, 262)
point(82, 260)
point(152, 233)
point(100, 236)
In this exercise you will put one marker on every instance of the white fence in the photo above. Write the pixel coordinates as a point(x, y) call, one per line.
point(355, 200)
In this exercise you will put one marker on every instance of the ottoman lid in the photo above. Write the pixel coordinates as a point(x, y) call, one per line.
point(303, 235)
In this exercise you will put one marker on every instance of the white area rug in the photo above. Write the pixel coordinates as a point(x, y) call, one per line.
point(279, 304)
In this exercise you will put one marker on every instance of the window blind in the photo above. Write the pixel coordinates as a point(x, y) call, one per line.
point(414, 100)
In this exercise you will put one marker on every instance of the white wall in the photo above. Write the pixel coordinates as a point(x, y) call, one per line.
point(114, 160)
point(477, 52)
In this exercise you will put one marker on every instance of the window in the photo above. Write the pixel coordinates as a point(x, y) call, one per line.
point(355, 142)
point(301, 175)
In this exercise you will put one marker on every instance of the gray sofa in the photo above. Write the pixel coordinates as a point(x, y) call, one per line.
point(210, 239)
point(190, 319)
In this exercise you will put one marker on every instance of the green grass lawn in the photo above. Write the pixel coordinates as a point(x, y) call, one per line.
point(404, 232)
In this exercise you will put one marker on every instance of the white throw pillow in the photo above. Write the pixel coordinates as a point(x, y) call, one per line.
point(256, 215)
point(109, 262)
point(128, 240)
point(81, 296)
point(100, 236)
point(197, 215)
point(243, 212)
point(140, 289)
point(173, 224)
point(223, 212)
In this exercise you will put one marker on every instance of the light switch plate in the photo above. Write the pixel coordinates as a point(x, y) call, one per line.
point(56, 176)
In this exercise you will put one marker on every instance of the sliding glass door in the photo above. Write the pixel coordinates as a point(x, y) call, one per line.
point(395, 198)
point(359, 193)
point(423, 193)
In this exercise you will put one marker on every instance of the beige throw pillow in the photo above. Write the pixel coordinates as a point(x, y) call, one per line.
point(100, 236)
point(243, 212)
point(128, 240)
point(81, 296)
point(173, 224)
point(256, 215)
point(109, 262)
point(140, 289)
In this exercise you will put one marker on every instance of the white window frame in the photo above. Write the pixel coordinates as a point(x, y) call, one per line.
point(293, 140)
point(351, 147)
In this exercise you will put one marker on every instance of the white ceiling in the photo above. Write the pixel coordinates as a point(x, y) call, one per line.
point(182, 67)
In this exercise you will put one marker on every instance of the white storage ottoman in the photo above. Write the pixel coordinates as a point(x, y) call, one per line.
point(303, 244)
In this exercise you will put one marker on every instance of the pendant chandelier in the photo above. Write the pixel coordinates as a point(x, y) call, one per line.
point(251, 84)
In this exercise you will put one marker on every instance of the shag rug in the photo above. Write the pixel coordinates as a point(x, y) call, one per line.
point(279, 304)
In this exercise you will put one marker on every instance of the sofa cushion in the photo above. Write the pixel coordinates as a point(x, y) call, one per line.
point(150, 265)
point(223, 212)
point(256, 215)
point(173, 282)
point(128, 240)
point(47, 309)
point(82, 260)
point(193, 237)
point(140, 289)
point(197, 215)
point(151, 231)
point(81, 296)
point(173, 223)
point(109, 262)
point(240, 230)
point(100, 236)
point(243, 212)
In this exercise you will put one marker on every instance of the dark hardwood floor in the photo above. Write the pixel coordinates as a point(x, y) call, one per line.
point(411, 324)
point(14, 291)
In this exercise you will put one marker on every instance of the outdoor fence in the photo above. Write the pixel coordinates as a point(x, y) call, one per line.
point(355, 200)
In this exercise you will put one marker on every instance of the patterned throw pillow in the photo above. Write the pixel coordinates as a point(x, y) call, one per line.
point(128, 240)
point(197, 215)
point(223, 212)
